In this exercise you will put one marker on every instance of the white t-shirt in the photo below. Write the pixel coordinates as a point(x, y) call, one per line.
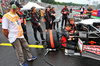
point(81, 9)
point(12, 28)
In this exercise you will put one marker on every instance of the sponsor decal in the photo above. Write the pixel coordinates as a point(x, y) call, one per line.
point(92, 48)
point(94, 12)
point(79, 15)
point(92, 42)
point(85, 11)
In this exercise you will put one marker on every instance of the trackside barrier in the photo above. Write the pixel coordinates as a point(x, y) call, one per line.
point(85, 11)
point(98, 13)
point(94, 12)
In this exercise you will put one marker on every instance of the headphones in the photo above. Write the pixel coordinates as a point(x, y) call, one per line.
point(14, 5)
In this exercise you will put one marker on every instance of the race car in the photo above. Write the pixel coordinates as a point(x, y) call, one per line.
point(89, 38)
point(87, 43)
point(79, 17)
point(83, 16)
point(89, 29)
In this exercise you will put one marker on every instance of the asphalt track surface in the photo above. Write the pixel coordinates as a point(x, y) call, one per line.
point(8, 56)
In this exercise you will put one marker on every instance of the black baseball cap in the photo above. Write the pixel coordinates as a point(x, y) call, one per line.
point(16, 3)
point(20, 6)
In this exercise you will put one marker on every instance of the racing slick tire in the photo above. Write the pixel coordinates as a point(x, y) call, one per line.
point(52, 39)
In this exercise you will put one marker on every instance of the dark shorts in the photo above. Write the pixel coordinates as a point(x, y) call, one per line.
point(48, 25)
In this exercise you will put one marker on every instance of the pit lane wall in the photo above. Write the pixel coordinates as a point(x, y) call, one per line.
point(94, 12)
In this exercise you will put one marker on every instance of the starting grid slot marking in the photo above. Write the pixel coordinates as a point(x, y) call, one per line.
point(31, 46)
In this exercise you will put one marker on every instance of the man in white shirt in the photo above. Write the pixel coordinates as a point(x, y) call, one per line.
point(11, 27)
point(81, 10)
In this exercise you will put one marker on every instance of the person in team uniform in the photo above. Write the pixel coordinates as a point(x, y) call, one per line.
point(50, 8)
point(73, 25)
point(48, 20)
point(66, 35)
point(53, 14)
point(65, 13)
point(36, 25)
point(68, 41)
point(23, 21)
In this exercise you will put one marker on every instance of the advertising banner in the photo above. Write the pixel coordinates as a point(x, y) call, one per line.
point(94, 12)
point(98, 13)
point(85, 11)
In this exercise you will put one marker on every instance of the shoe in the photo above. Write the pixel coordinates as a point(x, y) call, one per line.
point(37, 42)
point(24, 64)
point(33, 58)
point(44, 40)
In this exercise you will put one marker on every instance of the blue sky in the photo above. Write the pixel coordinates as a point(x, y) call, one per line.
point(78, 1)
